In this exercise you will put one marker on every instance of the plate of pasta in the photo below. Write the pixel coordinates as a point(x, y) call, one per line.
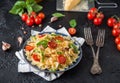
point(52, 52)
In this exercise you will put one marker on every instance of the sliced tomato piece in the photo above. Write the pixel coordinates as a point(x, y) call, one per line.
point(59, 38)
point(29, 48)
point(61, 59)
point(42, 35)
point(35, 57)
point(52, 44)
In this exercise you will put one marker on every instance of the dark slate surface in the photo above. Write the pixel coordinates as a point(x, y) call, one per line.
point(10, 29)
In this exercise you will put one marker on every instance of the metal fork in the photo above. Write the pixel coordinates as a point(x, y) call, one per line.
point(96, 69)
point(89, 39)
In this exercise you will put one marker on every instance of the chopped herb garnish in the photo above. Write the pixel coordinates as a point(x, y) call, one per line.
point(75, 49)
point(44, 43)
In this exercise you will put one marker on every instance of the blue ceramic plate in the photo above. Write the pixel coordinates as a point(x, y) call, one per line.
point(70, 67)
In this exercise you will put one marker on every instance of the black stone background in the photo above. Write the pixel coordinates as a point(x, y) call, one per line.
point(10, 29)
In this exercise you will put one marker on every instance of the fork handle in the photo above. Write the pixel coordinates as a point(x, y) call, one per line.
point(93, 51)
point(96, 69)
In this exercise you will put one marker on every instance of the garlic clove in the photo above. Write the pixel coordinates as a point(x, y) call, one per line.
point(20, 40)
point(5, 46)
point(53, 19)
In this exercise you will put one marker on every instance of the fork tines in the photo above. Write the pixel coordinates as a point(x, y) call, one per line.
point(88, 36)
point(100, 38)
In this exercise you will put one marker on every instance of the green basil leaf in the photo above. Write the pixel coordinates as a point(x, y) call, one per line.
point(21, 12)
point(29, 9)
point(15, 10)
point(73, 23)
point(44, 43)
point(42, 53)
point(58, 15)
point(75, 49)
point(37, 8)
point(22, 4)
point(18, 7)
point(30, 2)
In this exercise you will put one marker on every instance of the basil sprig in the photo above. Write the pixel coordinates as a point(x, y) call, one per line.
point(29, 5)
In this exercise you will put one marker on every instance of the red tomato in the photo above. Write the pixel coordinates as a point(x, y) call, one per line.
point(116, 26)
point(100, 15)
point(115, 32)
point(90, 16)
point(33, 14)
point(97, 21)
point(61, 59)
point(29, 48)
point(41, 15)
point(35, 57)
point(72, 31)
point(59, 38)
point(38, 20)
point(24, 17)
point(118, 46)
point(52, 44)
point(93, 10)
point(40, 36)
point(111, 21)
point(30, 21)
point(117, 40)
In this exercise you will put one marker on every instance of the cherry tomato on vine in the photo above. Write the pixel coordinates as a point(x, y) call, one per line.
point(100, 15)
point(38, 20)
point(117, 40)
point(115, 32)
point(24, 17)
point(118, 46)
point(41, 15)
point(30, 21)
point(93, 10)
point(72, 31)
point(97, 21)
point(90, 16)
point(61, 59)
point(117, 26)
point(111, 22)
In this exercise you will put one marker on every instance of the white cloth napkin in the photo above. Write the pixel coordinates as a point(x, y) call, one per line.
point(24, 66)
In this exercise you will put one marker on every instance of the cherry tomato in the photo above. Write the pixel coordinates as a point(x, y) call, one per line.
point(41, 15)
point(90, 16)
point(40, 36)
point(118, 46)
point(33, 14)
point(35, 57)
point(30, 21)
point(117, 40)
point(116, 26)
point(97, 21)
point(72, 31)
point(29, 48)
point(100, 15)
point(24, 17)
point(52, 44)
point(59, 38)
point(38, 20)
point(61, 59)
point(115, 32)
point(93, 10)
point(111, 21)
